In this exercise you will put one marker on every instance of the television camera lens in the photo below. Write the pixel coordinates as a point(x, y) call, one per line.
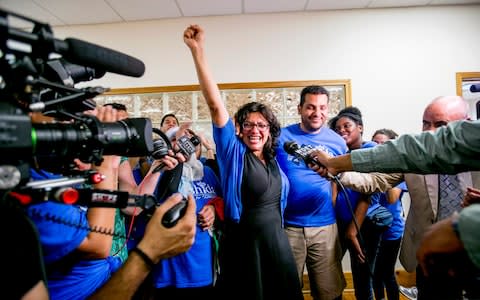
point(57, 143)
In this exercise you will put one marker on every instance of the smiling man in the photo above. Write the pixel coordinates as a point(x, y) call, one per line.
point(309, 217)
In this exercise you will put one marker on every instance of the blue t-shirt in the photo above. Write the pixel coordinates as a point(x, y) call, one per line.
point(395, 231)
point(62, 228)
point(345, 206)
point(193, 268)
point(309, 202)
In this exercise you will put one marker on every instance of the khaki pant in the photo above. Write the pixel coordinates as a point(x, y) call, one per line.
point(319, 249)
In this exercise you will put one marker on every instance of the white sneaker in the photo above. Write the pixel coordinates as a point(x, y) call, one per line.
point(411, 292)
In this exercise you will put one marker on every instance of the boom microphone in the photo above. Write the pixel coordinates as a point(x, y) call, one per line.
point(98, 57)
point(74, 50)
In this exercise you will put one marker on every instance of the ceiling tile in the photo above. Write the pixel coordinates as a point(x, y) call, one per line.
point(192, 8)
point(336, 4)
point(396, 3)
point(73, 12)
point(145, 9)
point(266, 6)
point(29, 8)
point(81, 12)
point(449, 2)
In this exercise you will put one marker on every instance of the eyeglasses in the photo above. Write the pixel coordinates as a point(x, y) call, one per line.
point(260, 126)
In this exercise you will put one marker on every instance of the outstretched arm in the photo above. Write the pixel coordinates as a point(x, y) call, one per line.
point(449, 150)
point(194, 37)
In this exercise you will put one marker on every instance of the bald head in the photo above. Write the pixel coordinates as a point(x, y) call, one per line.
point(443, 110)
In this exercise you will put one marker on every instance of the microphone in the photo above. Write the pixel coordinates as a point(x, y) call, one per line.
point(98, 57)
point(74, 50)
point(186, 146)
point(303, 153)
point(475, 88)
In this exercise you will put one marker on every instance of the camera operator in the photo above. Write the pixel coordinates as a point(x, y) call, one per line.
point(72, 241)
point(27, 283)
point(77, 260)
point(77, 251)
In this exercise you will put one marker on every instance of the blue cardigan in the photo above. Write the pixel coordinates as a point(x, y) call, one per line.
point(230, 155)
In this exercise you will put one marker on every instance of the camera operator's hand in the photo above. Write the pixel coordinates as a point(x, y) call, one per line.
point(158, 243)
point(109, 167)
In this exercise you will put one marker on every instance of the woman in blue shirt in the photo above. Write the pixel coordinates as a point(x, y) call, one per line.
point(357, 234)
point(258, 261)
point(384, 274)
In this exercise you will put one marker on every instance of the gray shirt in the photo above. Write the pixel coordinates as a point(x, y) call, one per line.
point(468, 224)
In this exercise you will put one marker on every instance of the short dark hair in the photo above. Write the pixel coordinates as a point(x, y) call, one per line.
point(166, 116)
point(117, 106)
point(388, 132)
point(314, 90)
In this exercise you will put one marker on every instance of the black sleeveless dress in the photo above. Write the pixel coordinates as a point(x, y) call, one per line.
point(258, 261)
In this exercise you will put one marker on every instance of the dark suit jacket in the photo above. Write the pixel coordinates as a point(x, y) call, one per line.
point(423, 191)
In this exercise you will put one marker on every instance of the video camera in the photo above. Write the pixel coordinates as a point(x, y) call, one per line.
point(37, 75)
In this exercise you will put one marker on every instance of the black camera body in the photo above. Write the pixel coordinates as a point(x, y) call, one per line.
point(32, 82)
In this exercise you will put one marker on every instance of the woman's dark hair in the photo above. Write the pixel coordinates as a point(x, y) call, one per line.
point(267, 113)
point(166, 116)
point(350, 112)
point(314, 90)
point(388, 132)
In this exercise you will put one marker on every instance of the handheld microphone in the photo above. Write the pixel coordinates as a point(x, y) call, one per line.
point(303, 153)
point(186, 146)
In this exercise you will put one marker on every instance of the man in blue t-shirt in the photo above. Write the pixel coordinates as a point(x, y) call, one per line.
point(309, 216)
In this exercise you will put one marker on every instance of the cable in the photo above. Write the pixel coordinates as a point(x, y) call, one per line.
point(355, 222)
point(130, 227)
point(35, 212)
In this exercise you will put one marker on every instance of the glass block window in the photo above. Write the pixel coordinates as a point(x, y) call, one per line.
point(188, 103)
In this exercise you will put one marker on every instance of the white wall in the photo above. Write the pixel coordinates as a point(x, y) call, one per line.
point(398, 59)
